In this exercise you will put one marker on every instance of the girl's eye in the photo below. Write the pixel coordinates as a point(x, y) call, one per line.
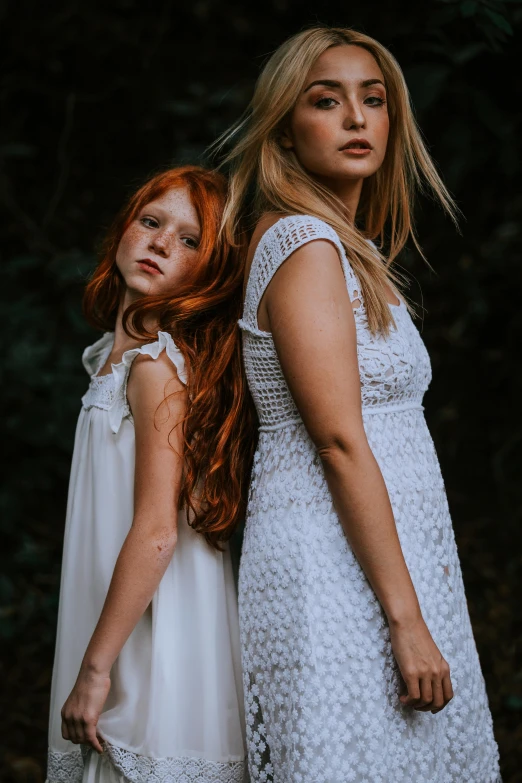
point(326, 103)
point(190, 242)
point(150, 222)
point(378, 101)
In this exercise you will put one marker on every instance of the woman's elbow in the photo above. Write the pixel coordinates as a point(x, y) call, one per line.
point(340, 447)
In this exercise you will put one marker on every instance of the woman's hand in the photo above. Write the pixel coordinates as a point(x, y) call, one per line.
point(82, 709)
point(425, 672)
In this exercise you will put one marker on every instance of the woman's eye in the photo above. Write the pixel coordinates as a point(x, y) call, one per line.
point(190, 242)
point(149, 222)
point(326, 103)
point(378, 101)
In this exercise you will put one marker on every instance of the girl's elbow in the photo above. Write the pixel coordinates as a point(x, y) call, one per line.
point(166, 541)
point(161, 537)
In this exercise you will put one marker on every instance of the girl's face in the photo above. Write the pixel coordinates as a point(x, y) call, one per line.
point(339, 126)
point(160, 245)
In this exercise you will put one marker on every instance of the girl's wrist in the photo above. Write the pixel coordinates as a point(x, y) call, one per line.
point(93, 667)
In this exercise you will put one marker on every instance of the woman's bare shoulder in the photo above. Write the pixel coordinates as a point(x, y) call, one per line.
point(266, 221)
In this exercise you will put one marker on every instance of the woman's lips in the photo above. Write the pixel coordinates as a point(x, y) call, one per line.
point(149, 266)
point(356, 151)
point(357, 147)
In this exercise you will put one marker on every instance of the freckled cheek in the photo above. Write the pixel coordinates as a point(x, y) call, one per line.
point(175, 272)
point(130, 243)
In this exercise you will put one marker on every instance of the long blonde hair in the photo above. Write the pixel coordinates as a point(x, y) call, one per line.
point(273, 180)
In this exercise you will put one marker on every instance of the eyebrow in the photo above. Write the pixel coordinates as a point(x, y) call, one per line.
point(336, 84)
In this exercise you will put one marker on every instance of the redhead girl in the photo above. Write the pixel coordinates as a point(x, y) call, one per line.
point(358, 653)
point(146, 682)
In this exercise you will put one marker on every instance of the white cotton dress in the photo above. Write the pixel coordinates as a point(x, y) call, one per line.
point(175, 708)
point(321, 683)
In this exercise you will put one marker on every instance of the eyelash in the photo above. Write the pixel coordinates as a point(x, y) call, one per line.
point(195, 245)
point(153, 220)
point(144, 220)
point(381, 102)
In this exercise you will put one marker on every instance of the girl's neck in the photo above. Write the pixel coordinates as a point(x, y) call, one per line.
point(122, 341)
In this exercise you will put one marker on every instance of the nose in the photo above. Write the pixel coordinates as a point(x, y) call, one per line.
point(354, 118)
point(160, 244)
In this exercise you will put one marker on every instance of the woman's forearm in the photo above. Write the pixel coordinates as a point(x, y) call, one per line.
point(140, 566)
point(363, 505)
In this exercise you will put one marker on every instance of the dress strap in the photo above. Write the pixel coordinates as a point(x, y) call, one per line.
point(119, 409)
point(275, 246)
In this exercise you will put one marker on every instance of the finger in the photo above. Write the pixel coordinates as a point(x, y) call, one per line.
point(71, 730)
point(438, 696)
point(447, 689)
point(65, 731)
point(413, 695)
point(426, 695)
point(92, 739)
point(79, 728)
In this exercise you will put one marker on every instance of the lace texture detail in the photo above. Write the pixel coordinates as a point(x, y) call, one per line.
point(321, 683)
point(68, 768)
point(101, 392)
point(395, 372)
point(64, 767)
point(142, 769)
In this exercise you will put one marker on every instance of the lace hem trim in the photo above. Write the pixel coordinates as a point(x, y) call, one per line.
point(64, 767)
point(68, 767)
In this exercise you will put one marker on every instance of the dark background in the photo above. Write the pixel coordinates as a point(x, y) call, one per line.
point(97, 95)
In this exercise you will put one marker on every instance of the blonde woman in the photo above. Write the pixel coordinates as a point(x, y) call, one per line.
point(358, 653)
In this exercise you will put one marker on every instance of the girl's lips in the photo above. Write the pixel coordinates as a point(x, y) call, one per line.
point(149, 266)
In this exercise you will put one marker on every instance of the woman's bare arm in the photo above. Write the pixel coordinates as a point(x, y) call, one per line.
point(149, 545)
point(313, 327)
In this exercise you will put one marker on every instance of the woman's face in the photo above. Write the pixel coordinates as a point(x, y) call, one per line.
point(160, 245)
point(339, 126)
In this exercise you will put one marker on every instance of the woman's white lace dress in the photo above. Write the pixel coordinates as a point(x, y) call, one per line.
point(321, 684)
point(175, 709)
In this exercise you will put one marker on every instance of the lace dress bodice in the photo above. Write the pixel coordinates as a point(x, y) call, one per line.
point(395, 371)
point(321, 683)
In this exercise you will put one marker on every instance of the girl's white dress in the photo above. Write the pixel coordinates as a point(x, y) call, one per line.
point(175, 709)
point(321, 683)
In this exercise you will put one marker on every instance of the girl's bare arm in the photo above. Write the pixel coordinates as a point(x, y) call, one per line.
point(149, 545)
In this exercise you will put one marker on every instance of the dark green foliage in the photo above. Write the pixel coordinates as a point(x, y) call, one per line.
point(95, 96)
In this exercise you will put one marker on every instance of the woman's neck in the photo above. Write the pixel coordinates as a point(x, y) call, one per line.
point(348, 191)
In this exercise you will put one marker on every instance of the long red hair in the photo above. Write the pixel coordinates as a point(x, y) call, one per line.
point(201, 315)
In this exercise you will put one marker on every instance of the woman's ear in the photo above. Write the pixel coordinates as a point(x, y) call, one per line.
point(285, 139)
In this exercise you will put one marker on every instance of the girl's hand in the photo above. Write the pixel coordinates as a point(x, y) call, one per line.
point(423, 669)
point(82, 709)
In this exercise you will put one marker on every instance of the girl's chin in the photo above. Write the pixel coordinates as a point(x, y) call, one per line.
point(138, 286)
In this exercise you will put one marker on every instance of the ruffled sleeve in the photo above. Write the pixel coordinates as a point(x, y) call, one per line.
point(95, 355)
point(119, 408)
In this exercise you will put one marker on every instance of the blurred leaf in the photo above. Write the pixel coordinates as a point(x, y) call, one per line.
point(500, 21)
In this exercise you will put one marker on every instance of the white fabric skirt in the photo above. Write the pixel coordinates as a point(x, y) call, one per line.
point(175, 708)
